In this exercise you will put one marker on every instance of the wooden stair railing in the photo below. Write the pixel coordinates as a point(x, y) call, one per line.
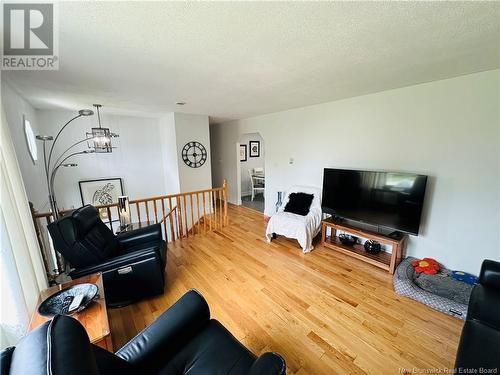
point(181, 215)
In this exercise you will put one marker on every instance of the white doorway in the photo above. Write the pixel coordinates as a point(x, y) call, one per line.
point(252, 174)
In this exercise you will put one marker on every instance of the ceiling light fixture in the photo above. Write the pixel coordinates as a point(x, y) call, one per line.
point(101, 137)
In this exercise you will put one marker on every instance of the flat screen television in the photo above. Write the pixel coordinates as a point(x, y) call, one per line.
point(387, 199)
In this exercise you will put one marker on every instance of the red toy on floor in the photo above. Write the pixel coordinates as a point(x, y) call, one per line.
point(428, 266)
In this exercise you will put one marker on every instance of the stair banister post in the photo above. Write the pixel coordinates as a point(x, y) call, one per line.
point(224, 192)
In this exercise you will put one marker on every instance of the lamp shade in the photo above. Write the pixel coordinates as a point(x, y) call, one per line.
point(102, 139)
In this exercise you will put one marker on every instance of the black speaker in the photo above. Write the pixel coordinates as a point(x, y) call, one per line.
point(372, 247)
point(347, 239)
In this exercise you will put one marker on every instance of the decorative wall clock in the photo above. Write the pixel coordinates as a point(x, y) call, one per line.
point(194, 154)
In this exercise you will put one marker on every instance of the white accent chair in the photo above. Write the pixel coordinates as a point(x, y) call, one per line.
point(302, 228)
point(257, 182)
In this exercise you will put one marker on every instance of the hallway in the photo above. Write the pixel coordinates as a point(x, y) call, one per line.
point(257, 203)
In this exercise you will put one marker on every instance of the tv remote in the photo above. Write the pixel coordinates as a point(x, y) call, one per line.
point(75, 304)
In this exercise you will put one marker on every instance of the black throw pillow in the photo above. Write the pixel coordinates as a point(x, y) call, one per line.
point(299, 203)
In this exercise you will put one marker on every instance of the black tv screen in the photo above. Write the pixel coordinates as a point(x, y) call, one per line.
point(388, 199)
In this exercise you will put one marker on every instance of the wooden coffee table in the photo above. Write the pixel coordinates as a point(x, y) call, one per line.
point(94, 317)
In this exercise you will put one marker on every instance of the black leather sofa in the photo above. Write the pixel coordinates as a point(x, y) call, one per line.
point(132, 263)
point(183, 340)
point(479, 347)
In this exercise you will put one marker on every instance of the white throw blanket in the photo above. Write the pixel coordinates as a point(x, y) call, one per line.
point(302, 228)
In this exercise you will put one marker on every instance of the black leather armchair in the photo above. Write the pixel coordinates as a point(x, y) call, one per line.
point(132, 263)
point(183, 340)
point(479, 346)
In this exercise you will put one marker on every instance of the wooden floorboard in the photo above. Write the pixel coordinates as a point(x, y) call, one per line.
point(326, 313)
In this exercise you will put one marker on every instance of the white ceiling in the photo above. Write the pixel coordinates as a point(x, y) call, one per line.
point(239, 59)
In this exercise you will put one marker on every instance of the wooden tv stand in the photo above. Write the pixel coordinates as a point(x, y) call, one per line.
point(384, 260)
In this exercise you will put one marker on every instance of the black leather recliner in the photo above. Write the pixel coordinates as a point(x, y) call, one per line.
point(479, 347)
point(132, 263)
point(183, 340)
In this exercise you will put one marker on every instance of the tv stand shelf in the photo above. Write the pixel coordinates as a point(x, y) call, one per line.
point(384, 260)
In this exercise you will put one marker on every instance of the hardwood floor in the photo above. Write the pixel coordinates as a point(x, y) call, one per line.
point(326, 313)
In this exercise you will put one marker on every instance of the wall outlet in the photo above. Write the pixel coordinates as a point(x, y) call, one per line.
point(290, 161)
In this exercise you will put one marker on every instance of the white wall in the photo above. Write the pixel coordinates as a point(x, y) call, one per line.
point(137, 158)
point(256, 162)
point(169, 154)
point(33, 173)
point(224, 143)
point(22, 273)
point(446, 129)
point(193, 128)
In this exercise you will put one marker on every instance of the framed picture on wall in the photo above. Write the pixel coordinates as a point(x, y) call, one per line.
point(102, 192)
point(254, 149)
point(243, 153)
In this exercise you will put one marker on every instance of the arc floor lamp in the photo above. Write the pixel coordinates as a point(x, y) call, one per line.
point(98, 141)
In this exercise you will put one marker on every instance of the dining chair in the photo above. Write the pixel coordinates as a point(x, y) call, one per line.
point(257, 183)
